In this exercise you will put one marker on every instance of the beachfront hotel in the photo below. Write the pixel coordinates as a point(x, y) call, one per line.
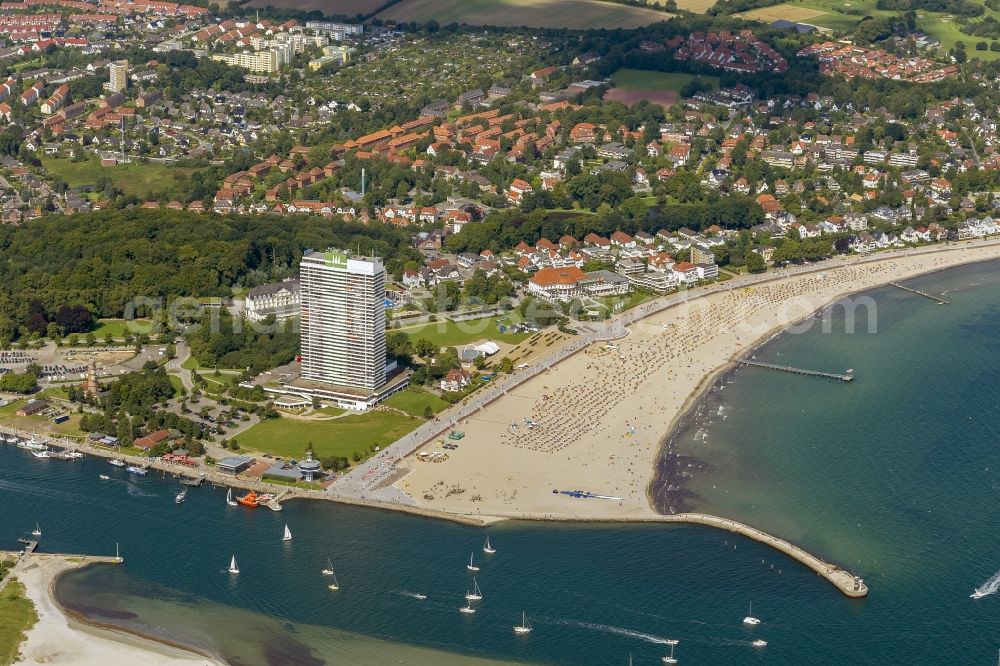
point(342, 319)
point(342, 334)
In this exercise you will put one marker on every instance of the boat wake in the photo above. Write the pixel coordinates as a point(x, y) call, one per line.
point(136, 491)
point(610, 629)
point(989, 587)
point(412, 595)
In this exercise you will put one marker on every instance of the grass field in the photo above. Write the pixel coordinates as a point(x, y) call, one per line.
point(644, 79)
point(135, 178)
point(413, 401)
point(17, 616)
point(574, 14)
point(453, 334)
point(118, 327)
point(338, 437)
point(349, 8)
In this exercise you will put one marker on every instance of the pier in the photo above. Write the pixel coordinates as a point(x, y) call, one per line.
point(936, 299)
point(849, 584)
point(846, 377)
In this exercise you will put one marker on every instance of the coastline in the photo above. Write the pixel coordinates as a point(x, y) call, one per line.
point(62, 636)
point(718, 340)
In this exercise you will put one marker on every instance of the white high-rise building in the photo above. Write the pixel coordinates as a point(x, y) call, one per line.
point(117, 76)
point(343, 320)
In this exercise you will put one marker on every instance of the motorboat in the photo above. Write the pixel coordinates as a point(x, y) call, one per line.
point(117, 462)
point(760, 642)
point(181, 496)
point(137, 469)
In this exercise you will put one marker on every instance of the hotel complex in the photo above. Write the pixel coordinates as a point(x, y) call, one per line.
point(343, 319)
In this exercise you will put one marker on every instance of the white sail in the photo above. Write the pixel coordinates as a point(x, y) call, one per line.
point(232, 566)
point(288, 534)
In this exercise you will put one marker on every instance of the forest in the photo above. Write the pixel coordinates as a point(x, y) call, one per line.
point(111, 260)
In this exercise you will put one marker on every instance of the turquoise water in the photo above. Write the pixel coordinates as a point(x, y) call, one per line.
point(895, 475)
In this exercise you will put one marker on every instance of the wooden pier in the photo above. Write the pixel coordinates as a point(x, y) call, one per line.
point(29, 545)
point(936, 299)
point(846, 377)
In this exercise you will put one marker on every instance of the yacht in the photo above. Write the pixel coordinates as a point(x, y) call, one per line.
point(670, 658)
point(471, 566)
point(487, 548)
point(750, 619)
point(137, 469)
point(229, 498)
point(288, 534)
point(467, 608)
point(71, 454)
point(760, 642)
point(233, 569)
point(329, 567)
point(524, 628)
point(32, 445)
point(103, 477)
point(42, 453)
point(37, 532)
point(117, 462)
point(476, 594)
point(181, 496)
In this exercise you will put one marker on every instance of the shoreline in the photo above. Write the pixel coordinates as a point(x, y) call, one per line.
point(64, 636)
point(711, 380)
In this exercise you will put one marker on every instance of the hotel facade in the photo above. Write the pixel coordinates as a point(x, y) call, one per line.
point(343, 320)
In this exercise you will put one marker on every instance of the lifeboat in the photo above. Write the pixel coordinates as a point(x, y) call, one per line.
point(250, 500)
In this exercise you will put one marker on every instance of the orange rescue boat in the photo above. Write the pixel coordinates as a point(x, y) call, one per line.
point(250, 500)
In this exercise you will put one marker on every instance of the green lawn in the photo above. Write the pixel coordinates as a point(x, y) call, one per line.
point(176, 382)
point(642, 79)
point(17, 616)
point(118, 327)
point(338, 437)
point(134, 178)
point(413, 401)
point(7, 411)
point(452, 334)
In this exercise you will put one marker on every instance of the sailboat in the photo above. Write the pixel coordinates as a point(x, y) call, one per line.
point(467, 608)
point(288, 534)
point(37, 531)
point(750, 619)
point(329, 567)
point(233, 569)
point(476, 594)
point(670, 658)
point(525, 628)
point(334, 585)
point(487, 548)
point(229, 498)
point(471, 566)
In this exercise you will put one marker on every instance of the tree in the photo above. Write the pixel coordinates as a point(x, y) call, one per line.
point(755, 262)
point(424, 348)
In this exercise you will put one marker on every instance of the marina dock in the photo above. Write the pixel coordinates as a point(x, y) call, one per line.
point(846, 377)
point(936, 299)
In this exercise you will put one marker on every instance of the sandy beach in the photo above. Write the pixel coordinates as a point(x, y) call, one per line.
point(595, 421)
point(59, 639)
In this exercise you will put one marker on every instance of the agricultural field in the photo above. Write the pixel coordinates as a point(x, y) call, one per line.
point(349, 8)
point(634, 85)
point(136, 178)
point(693, 6)
point(839, 16)
point(574, 14)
